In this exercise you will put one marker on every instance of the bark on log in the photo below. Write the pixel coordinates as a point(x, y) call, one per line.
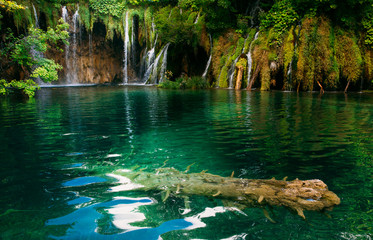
point(321, 88)
point(348, 84)
point(297, 195)
point(239, 78)
point(257, 70)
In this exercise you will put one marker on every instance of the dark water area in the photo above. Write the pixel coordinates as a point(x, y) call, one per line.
point(58, 153)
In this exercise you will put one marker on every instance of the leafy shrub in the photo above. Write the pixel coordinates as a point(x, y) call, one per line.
point(196, 83)
point(280, 17)
point(168, 84)
point(185, 83)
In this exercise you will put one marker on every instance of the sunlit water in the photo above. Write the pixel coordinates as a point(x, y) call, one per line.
point(58, 153)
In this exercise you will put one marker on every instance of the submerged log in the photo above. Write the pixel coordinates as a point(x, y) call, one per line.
point(297, 195)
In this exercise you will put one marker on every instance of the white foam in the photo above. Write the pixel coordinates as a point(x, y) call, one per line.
point(125, 214)
point(113, 155)
point(125, 184)
point(235, 237)
point(209, 212)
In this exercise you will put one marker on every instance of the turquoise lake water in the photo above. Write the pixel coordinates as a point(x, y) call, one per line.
point(57, 154)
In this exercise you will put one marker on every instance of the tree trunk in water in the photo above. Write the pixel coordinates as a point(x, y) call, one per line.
point(348, 84)
point(321, 88)
point(297, 195)
point(239, 78)
point(257, 69)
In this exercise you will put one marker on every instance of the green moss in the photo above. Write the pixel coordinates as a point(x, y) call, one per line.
point(348, 56)
point(22, 18)
point(265, 77)
point(289, 48)
point(223, 79)
point(85, 16)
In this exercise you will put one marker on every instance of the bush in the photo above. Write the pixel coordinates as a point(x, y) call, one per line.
point(185, 83)
point(169, 84)
point(196, 83)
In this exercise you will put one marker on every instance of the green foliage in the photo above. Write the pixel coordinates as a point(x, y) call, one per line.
point(185, 83)
point(20, 51)
point(168, 84)
point(10, 6)
point(176, 28)
point(47, 70)
point(368, 26)
point(107, 7)
point(280, 17)
point(28, 87)
point(223, 79)
point(196, 82)
point(139, 2)
point(348, 56)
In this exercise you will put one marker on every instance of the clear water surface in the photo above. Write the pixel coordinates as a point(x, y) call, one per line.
point(57, 153)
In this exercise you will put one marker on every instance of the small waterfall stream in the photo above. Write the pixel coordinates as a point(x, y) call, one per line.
point(125, 50)
point(290, 70)
point(164, 63)
point(36, 17)
point(209, 61)
point(197, 18)
point(155, 65)
point(249, 58)
point(233, 66)
point(71, 70)
point(74, 75)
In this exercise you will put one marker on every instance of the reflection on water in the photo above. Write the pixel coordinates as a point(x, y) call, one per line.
point(83, 181)
point(58, 155)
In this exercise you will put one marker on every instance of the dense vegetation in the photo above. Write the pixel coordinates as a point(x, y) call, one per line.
point(302, 44)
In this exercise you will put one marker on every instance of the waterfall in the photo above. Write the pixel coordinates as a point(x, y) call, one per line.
point(133, 45)
point(164, 63)
point(74, 47)
point(36, 17)
point(154, 67)
point(249, 58)
point(125, 51)
point(71, 70)
point(209, 61)
point(290, 70)
point(232, 69)
point(197, 18)
point(65, 17)
point(149, 61)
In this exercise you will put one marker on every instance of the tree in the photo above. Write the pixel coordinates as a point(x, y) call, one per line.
point(21, 50)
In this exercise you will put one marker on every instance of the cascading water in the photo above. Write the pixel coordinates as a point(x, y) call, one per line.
point(36, 17)
point(133, 45)
point(209, 61)
point(74, 75)
point(125, 50)
point(233, 66)
point(197, 18)
point(149, 61)
point(290, 70)
point(71, 70)
point(164, 63)
point(154, 70)
point(249, 58)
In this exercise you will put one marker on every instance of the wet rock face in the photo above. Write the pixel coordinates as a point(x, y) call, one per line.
point(90, 58)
